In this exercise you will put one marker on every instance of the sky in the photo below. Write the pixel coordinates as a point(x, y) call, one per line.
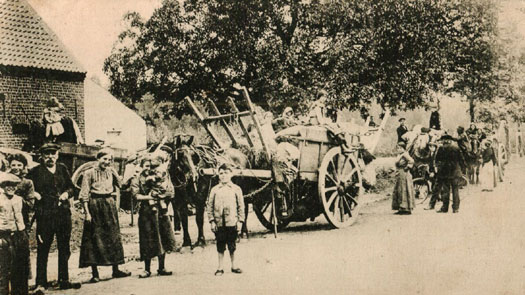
point(89, 28)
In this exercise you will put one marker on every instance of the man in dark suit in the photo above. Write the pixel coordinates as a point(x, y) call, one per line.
point(450, 163)
point(402, 129)
point(463, 144)
point(435, 119)
point(53, 216)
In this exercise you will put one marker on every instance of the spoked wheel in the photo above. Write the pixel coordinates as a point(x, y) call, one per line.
point(421, 190)
point(77, 175)
point(340, 185)
point(264, 211)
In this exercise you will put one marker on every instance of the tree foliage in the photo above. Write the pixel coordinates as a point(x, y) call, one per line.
point(395, 52)
point(509, 101)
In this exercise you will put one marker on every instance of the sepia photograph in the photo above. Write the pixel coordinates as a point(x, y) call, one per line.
point(262, 147)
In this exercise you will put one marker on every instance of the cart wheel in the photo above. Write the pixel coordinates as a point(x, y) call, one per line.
point(264, 211)
point(77, 175)
point(421, 191)
point(340, 185)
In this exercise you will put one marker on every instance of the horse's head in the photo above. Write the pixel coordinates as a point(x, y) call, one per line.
point(185, 160)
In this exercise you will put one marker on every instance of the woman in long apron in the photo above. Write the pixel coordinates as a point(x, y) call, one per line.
point(101, 243)
point(487, 175)
point(156, 236)
point(403, 198)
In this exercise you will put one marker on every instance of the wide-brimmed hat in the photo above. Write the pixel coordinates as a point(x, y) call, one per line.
point(401, 119)
point(49, 147)
point(425, 130)
point(8, 178)
point(53, 102)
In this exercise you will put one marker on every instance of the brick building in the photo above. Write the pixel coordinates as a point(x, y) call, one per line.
point(34, 65)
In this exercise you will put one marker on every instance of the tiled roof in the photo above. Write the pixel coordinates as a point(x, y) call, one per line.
point(26, 41)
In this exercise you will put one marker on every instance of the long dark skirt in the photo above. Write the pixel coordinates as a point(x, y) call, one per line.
point(155, 232)
point(101, 244)
point(403, 197)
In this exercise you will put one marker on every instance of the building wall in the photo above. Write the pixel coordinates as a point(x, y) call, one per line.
point(26, 93)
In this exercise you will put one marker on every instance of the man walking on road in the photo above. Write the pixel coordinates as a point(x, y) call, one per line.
point(450, 163)
point(53, 216)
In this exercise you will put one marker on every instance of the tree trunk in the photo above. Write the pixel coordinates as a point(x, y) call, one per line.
point(471, 109)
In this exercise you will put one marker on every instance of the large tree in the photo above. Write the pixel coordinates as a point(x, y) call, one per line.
point(475, 68)
point(395, 52)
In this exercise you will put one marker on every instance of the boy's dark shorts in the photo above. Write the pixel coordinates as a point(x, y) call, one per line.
point(226, 235)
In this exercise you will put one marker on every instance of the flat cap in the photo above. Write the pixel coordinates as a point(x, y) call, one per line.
point(8, 178)
point(49, 147)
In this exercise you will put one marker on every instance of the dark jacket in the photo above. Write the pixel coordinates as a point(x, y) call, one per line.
point(488, 155)
point(400, 131)
point(464, 144)
point(435, 120)
point(449, 162)
point(69, 134)
point(50, 186)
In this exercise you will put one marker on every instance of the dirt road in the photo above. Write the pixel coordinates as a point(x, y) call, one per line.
point(480, 250)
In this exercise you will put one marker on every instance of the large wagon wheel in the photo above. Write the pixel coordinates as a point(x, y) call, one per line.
point(340, 185)
point(77, 175)
point(76, 178)
point(263, 209)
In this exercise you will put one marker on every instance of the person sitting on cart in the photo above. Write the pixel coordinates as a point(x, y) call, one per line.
point(435, 118)
point(286, 120)
point(317, 111)
point(401, 130)
point(59, 127)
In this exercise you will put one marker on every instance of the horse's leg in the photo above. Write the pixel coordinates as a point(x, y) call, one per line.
point(199, 218)
point(186, 242)
point(244, 229)
point(477, 173)
point(182, 211)
point(176, 216)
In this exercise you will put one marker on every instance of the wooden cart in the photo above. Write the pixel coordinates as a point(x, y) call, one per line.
point(328, 180)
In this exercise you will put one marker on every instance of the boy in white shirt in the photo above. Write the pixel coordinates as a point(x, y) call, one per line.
point(226, 215)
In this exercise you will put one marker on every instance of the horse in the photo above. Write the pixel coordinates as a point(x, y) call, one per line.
point(192, 188)
point(473, 159)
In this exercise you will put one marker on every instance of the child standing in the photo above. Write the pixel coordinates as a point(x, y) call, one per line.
point(226, 215)
point(13, 238)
